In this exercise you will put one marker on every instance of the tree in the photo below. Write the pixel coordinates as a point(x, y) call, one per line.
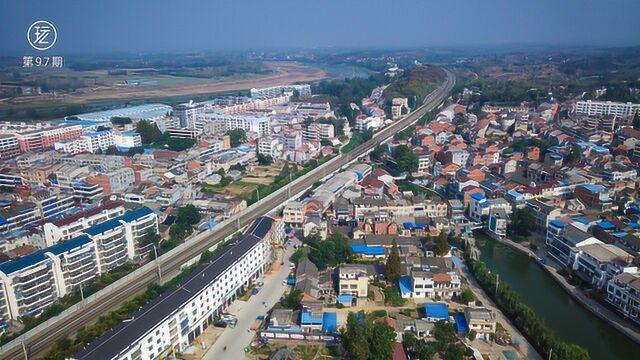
point(636, 121)
point(381, 338)
point(355, 338)
point(442, 246)
point(188, 216)
point(150, 237)
point(406, 159)
point(237, 137)
point(292, 300)
point(466, 296)
point(574, 156)
point(264, 159)
point(471, 335)
point(148, 132)
point(393, 264)
point(379, 153)
point(298, 256)
point(134, 150)
point(331, 252)
point(524, 222)
point(120, 120)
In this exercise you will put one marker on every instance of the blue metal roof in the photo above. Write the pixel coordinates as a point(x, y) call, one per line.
point(606, 225)
point(593, 188)
point(129, 216)
point(408, 225)
point(308, 319)
point(367, 250)
point(477, 196)
point(345, 299)
point(557, 223)
point(437, 310)
point(619, 234)
point(405, 284)
point(24, 262)
point(329, 322)
point(581, 220)
point(461, 323)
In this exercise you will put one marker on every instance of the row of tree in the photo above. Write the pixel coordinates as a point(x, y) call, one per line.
point(534, 328)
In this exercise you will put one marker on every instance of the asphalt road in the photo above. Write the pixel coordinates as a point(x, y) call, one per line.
point(231, 344)
point(38, 342)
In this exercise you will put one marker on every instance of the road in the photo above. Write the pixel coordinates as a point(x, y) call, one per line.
point(236, 339)
point(39, 340)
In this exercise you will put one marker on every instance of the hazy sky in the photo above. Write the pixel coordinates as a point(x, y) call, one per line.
point(87, 26)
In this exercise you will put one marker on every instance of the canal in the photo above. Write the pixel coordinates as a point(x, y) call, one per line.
point(567, 318)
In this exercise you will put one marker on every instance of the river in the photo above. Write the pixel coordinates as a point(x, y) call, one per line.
point(568, 319)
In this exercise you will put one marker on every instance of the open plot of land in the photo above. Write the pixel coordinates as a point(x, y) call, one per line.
point(308, 351)
point(163, 86)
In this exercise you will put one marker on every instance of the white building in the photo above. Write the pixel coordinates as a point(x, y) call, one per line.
point(260, 125)
point(303, 90)
point(172, 322)
point(599, 262)
point(90, 142)
point(128, 139)
point(270, 146)
point(188, 113)
point(590, 107)
point(69, 227)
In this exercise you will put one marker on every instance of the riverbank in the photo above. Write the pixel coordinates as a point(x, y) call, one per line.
point(602, 312)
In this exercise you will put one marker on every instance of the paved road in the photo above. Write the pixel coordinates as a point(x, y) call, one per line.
point(40, 339)
point(236, 339)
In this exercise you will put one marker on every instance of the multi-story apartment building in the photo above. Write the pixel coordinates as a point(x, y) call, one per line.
point(260, 125)
point(35, 281)
point(128, 139)
point(353, 280)
point(590, 107)
point(90, 142)
point(598, 263)
point(72, 225)
point(318, 132)
point(293, 213)
point(171, 322)
point(421, 284)
point(623, 292)
point(561, 238)
point(303, 91)
point(116, 181)
point(9, 147)
point(481, 321)
point(52, 206)
point(44, 139)
point(188, 113)
point(270, 146)
point(18, 215)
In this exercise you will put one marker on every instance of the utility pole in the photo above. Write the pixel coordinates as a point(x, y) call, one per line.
point(155, 251)
point(81, 295)
point(24, 350)
point(497, 284)
point(550, 352)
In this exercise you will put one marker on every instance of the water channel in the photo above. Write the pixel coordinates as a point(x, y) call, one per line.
point(568, 319)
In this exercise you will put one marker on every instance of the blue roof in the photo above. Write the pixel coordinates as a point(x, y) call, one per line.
point(419, 226)
point(461, 323)
point(367, 250)
point(345, 299)
point(593, 188)
point(405, 284)
point(619, 234)
point(580, 220)
point(477, 196)
point(456, 262)
point(557, 223)
point(408, 225)
point(634, 225)
point(329, 322)
point(606, 225)
point(514, 193)
point(307, 318)
point(24, 262)
point(129, 216)
point(436, 310)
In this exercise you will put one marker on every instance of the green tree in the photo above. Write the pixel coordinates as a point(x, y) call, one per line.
point(237, 137)
point(148, 132)
point(636, 121)
point(466, 296)
point(264, 159)
point(120, 120)
point(331, 252)
point(298, 255)
point(393, 264)
point(442, 246)
point(471, 335)
point(406, 159)
point(524, 222)
point(150, 237)
point(188, 216)
point(381, 338)
point(292, 300)
point(379, 153)
point(355, 338)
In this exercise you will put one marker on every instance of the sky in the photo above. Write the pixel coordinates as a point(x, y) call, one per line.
point(103, 26)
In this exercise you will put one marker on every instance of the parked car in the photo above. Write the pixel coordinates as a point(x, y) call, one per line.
point(220, 324)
